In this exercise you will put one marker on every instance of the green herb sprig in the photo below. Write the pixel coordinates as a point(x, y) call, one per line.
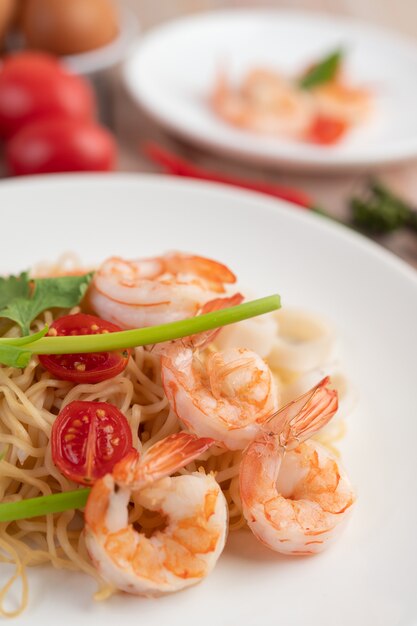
point(323, 71)
point(23, 298)
point(378, 210)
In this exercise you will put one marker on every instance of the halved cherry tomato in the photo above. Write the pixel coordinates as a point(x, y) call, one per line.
point(92, 367)
point(327, 130)
point(88, 439)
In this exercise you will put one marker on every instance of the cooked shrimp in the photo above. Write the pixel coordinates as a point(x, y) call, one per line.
point(266, 102)
point(295, 496)
point(340, 101)
point(196, 520)
point(153, 291)
point(225, 395)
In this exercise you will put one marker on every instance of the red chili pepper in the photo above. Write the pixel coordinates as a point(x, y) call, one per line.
point(179, 167)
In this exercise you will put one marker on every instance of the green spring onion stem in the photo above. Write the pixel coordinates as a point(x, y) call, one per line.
point(34, 507)
point(26, 339)
point(154, 334)
point(59, 502)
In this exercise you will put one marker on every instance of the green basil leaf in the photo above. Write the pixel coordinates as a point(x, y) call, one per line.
point(323, 71)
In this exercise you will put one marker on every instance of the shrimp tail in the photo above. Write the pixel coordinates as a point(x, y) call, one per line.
point(124, 470)
point(162, 459)
point(302, 418)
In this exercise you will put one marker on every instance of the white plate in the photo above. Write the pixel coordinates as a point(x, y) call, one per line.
point(368, 577)
point(172, 71)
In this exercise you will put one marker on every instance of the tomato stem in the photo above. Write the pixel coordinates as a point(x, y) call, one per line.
point(154, 334)
point(35, 507)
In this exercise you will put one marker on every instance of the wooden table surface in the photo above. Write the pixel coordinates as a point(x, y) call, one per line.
point(400, 15)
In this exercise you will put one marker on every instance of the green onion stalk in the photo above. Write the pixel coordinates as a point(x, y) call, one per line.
point(38, 344)
point(43, 505)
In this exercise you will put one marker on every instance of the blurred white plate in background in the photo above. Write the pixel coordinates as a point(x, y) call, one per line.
point(368, 577)
point(172, 71)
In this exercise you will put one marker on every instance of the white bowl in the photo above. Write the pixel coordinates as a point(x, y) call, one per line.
point(368, 577)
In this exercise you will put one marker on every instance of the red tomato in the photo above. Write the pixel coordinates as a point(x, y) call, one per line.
point(60, 145)
point(18, 63)
point(34, 86)
point(91, 367)
point(88, 439)
point(327, 130)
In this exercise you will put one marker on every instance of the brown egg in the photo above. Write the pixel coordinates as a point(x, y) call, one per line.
point(68, 26)
point(7, 14)
point(20, 7)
